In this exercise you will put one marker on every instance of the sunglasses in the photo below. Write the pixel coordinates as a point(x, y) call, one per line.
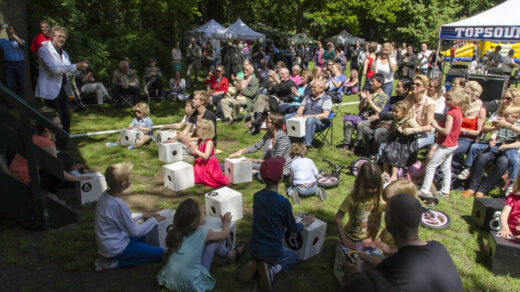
point(137, 111)
point(507, 98)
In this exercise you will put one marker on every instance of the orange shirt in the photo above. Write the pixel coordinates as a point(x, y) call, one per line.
point(18, 167)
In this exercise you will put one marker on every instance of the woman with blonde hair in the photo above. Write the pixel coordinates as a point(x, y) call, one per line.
point(386, 65)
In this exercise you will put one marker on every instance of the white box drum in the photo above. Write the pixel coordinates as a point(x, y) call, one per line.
point(157, 235)
point(238, 170)
point(90, 190)
point(340, 262)
point(130, 137)
point(178, 176)
point(296, 127)
point(162, 136)
point(170, 152)
point(309, 241)
point(224, 200)
point(215, 224)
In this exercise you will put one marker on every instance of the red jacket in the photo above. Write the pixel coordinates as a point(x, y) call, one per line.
point(216, 86)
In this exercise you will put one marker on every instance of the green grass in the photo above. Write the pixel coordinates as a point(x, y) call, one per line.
point(69, 253)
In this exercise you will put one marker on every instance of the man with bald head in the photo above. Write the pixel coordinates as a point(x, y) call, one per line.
point(418, 265)
point(316, 108)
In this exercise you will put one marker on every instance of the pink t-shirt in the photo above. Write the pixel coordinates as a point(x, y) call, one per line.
point(453, 137)
point(18, 166)
point(513, 200)
point(296, 79)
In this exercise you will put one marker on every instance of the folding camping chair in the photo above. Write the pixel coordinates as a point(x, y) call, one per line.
point(322, 135)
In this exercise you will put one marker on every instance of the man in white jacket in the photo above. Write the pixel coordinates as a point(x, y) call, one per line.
point(53, 85)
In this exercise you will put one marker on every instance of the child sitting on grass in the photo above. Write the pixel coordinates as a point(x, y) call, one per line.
point(510, 216)
point(119, 238)
point(352, 83)
point(206, 169)
point(191, 249)
point(272, 218)
point(364, 206)
point(188, 108)
point(303, 175)
point(441, 152)
point(141, 122)
point(401, 147)
point(385, 242)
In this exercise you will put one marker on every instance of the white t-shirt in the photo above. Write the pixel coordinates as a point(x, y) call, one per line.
point(114, 225)
point(385, 69)
point(505, 64)
point(423, 64)
point(303, 171)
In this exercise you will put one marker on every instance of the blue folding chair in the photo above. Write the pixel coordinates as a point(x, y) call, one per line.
point(322, 135)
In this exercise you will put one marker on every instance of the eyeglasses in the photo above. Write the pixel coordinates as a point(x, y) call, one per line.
point(417, 84)
point(137, 111)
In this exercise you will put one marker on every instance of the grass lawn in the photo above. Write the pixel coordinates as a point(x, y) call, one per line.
point(62, 260)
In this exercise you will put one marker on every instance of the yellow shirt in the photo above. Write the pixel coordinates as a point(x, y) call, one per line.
point(362, 216)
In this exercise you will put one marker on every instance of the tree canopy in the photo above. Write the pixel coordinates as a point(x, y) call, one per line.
point(104, 31)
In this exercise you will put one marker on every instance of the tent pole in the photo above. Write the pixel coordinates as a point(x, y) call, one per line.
point(437, 59)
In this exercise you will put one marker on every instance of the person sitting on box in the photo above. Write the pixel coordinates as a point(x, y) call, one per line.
point(510, 216)
point(272, 216)
point(364, 206)
point(316, 108)
point(141, 122)
point(45, 138)
point(304, 175)
point(201, 100)
point(417, 265)
point(189, 109)
point(206, 168)
point(191, 249)
point(119, 238)
point(275, 143)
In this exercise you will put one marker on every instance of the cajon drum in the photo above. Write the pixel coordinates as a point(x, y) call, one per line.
point(162, 136)
point(224, 200)
point(215, 224)
point(157, 235)
point(130, 137)
point(238, 170)
point(503, 255)
point(309, 241)
point(296, 127)
point(90, 190)
point(484, 209)
point(178, 176)
point(170, 152)
point(340, 262)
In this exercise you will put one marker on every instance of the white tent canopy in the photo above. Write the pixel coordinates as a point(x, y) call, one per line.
point(210, 29)
point(240, 31)
point(500, 23)
point(344, 38)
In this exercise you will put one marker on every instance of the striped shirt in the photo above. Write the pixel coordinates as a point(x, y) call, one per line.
point(279, 146)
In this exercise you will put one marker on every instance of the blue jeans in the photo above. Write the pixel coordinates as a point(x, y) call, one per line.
point(474, 150)
point(514, 163)
point(213, 248)
point(288, 260)
point(425, 139)
point(138, 253)
point(15, 71)
point(304, 191)
point(499, 158)
point(388, 88)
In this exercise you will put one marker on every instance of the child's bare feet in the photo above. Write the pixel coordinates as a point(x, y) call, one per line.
point(248, 271)
point(236, 253)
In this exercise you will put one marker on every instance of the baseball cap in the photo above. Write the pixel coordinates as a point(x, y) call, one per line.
point(272, 168)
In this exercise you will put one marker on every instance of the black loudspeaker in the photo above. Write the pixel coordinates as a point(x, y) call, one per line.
point(503, 255)
point(483, 210)
point(493, 86)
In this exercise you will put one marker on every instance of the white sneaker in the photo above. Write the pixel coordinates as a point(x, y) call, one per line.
point(103, 263)
point(266, 277)
point(464, 174)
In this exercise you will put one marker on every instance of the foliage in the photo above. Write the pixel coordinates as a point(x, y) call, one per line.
point(106, 31)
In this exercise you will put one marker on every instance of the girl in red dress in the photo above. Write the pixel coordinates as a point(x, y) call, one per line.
point(206, 167)
point(510, 217)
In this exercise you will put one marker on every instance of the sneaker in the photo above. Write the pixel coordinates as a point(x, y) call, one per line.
point(103, 263)
point(111, 144)
point(295, 196)
point(321, 194)
point(509, 189)
point(131, 147)
point(266, 277)
point(464, 174)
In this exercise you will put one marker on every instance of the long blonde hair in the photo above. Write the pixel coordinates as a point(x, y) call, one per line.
point(369, 175)
point(205, 129)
